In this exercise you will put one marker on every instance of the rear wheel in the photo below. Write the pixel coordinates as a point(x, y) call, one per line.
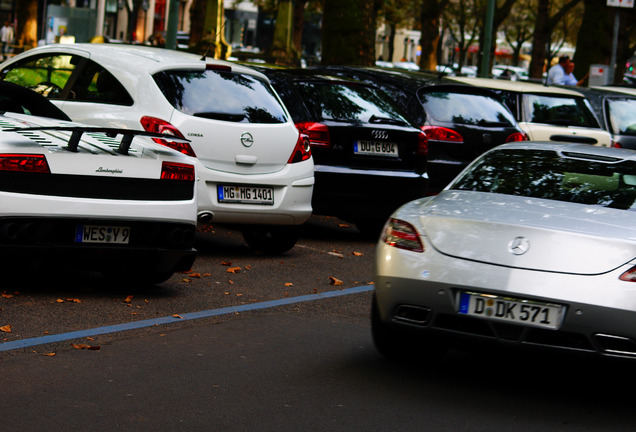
point(402, 344)
point(272, 239)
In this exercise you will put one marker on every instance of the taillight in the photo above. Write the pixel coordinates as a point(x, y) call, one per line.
point(177, 171)
point(153, 124)
point(403, 235)
point(422, 144)
point(302, 150)
point(437, 133)
point(221, 68)
point(517, 136)
point(616, 144)
point(24, 163)
point(318, 133)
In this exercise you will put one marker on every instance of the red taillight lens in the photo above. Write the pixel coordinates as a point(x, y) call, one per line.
point(616, 144)
point(177, 171)
point(422, 145)
point(318, 133)
point(403, 235)
point(517, 136)
point(24, 163)
point(629, 275)
point(221, 68)
point(437, 133)
point(302, 150)
point(153, 124)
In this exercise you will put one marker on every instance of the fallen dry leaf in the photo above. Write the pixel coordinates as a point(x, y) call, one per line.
point(289, 284)
point(176, 316)
point(128, 299)
point(186, 280)
point(233, 270)
point(226, 263)
point(195, 275)
point(59, 301)
point(5, 295)
point(6, 329)
point(334, 281)
point(51, 354)
point(86, 347)
point(358, 254)
point(73, 300)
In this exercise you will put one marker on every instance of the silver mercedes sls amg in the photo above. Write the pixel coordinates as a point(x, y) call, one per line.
point(532, 245)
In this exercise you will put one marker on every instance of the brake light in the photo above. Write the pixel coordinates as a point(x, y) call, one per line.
point(318, 133)
point(177, 171)
point(517, 136)
point(616, 144)
point(24, 163)
point(153, 124)
point(402, 235)
point(437, 133)
point(222, 68)
point(302, 150)
point(422, 144)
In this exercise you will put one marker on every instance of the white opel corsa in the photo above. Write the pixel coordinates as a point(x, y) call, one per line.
point(254, 168)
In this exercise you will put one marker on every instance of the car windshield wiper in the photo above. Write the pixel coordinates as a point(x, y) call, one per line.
point(221, 116)
point(487, 123)
point(561, 122)
point(387, 120)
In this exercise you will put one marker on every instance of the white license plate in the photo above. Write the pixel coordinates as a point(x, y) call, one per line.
point(525, 312)
point(102, 234)
point(375, 148)
point(246, 194)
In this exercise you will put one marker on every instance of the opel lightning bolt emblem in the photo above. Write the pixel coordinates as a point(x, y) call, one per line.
point(380, 134)
point(247, 139)
point(519, 246)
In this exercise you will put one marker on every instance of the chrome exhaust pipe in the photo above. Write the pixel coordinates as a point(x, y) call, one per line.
point(205, 217)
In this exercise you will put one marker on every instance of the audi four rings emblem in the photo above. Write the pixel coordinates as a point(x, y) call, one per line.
point(380, 134)
point(247, 139)
point(519, 246)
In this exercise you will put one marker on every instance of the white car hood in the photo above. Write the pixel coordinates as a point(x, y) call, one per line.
point(529, 233)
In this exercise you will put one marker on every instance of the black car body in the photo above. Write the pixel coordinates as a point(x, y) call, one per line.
point(368, 158)
point(616, 112)
point(461, 122)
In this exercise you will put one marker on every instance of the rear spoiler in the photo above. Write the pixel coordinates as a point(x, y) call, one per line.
point(78, 131)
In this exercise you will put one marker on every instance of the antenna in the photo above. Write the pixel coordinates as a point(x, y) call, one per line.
point(205, 54)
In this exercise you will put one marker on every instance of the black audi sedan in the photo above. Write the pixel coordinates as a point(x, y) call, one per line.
point(369, 159)
point(460, 121)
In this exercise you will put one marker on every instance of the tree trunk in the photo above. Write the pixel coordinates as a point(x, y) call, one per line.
point(352, 21)
point(27, 24)
point(430, 20)
point(298, 23)
point(595, 35)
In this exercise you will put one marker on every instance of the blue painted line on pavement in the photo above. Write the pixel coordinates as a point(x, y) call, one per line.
point(26, 343)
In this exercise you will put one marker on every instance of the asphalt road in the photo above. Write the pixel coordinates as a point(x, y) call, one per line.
point(293, 358)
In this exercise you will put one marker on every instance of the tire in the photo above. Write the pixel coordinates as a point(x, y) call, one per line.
point(271, 239)
point(402, 344)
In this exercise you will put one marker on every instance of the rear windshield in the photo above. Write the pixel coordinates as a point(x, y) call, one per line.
point(221, 95)
point(622, 116)
point(549, 175)
point(465, 109)
point(350, 102)
point(556, 110)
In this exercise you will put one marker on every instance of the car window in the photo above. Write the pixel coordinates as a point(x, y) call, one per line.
point(467, 109)
point(349, 102)
point(93, 83)
point(221, 95)
point(556, 110)
point(622, 116)
point(46, 75)
point(549, 175)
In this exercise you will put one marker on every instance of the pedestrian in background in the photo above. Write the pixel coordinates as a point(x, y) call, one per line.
point(556, 74)
point(6, 38)
point(570, 79)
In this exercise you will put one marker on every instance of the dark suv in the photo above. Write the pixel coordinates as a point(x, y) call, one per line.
point(368, 158)
point(460, 121)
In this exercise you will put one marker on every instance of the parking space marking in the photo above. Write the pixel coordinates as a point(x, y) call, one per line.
point(26, 343)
